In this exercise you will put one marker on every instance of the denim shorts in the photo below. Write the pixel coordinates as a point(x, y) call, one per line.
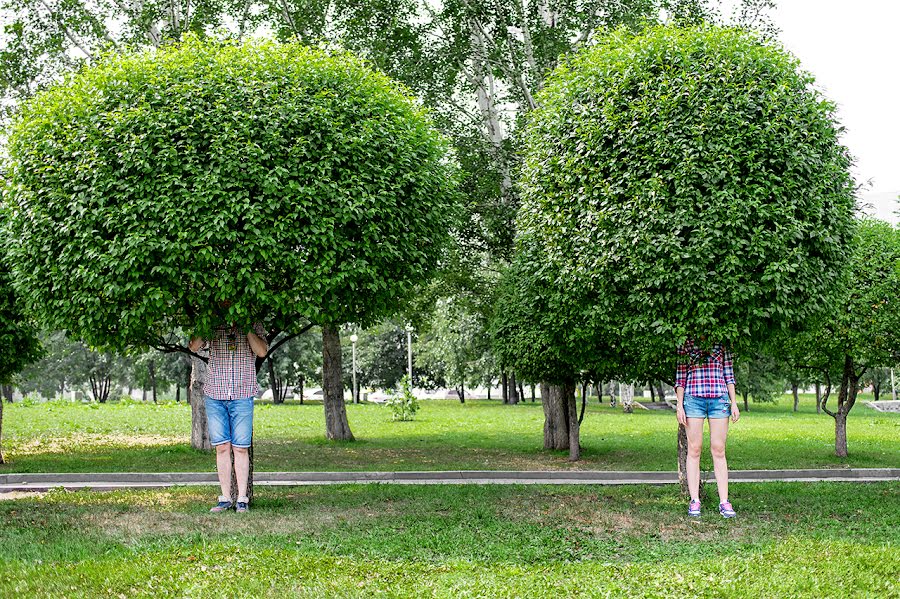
point(707, 407)
point(230, 421)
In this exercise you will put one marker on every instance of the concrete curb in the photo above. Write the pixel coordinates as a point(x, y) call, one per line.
point(151, 480)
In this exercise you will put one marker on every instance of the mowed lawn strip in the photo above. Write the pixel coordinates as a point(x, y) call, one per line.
point(446, 435)
point(790, 539)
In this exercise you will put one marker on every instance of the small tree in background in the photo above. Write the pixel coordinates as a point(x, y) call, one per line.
point(668, 193)
point(19, 345)
point(298, 185)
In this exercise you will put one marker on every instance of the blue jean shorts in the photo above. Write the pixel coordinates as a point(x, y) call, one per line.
point(230, 421)
point(707, 407)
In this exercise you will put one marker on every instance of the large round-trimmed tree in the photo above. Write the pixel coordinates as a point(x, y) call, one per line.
point(212, 182)
point(681, 182)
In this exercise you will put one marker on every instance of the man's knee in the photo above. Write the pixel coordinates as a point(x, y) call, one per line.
point(223, 448)
point(241, 450)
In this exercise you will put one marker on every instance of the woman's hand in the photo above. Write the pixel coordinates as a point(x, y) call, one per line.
point(735, 413)
point(679, 413)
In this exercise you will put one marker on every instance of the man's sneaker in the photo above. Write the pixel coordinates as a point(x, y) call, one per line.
point(242, 507)
point(223, 506)
point(726, 510)
point(694, 509)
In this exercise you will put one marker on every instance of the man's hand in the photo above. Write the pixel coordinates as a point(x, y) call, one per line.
point(679, 413)
point(735, 413)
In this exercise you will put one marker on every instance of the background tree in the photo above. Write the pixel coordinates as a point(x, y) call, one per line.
point(862, 332)
point(686, 152)
point(19, 344)
point(298, 185)
point(759, 376)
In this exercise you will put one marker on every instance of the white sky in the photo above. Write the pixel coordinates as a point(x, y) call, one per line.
point(853, 49)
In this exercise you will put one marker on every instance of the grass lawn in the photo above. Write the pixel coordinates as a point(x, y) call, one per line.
point(789, 540)
point(73, 437)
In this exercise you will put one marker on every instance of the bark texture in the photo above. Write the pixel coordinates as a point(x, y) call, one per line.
point(556, 422)
point(574, 425)
point(513, 389)
point(199, 430)
point(336, 425)
point(795, 390)
point(682, 460)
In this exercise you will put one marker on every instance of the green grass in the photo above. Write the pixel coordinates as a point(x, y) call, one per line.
point(789, 540)
point(71, 437)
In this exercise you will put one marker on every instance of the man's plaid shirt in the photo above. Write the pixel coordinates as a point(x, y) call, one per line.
point(704, 373)
point(231, 371)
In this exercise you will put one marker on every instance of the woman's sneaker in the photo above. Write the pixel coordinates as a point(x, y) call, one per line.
point(694, 509)
point(223, 506)
point(726, 510)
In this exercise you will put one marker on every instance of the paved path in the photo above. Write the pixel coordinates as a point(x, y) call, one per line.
point(136, 480)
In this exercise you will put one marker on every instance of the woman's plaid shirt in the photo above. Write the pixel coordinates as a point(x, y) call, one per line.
point(231, 371)
point(704, 373)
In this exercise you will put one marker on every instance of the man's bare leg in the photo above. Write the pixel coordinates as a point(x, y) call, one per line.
point(241, 470)
point(694, 431)
point(223, 467)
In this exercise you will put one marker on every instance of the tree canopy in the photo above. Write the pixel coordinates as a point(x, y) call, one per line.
point(680, 182)
point(209, 181)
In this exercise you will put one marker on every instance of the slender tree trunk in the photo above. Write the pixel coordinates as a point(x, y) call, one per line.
point(599, 393)
point(682, 460)
point(627, 392)
point(177, 393)
point(746, 405)
point(8, 393)
point(278, 388)
point(143, 393)
point(336, 425)
point(302, 381)
point(846, 400)
point(504, 385)
point(513, 389)
point(652, 393)
point(2, 461)
point(521, 392)
point(532, 393)
point(489, 391)
point(818, 397)
point(795, 391)
point(556, 421)
point(462, 392)
point(660, 392)
point(574, 426)
point(151, 367)
point(199, 429)
point(876, 390)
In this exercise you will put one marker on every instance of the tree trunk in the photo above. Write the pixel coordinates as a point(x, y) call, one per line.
point(336, 425)
point(627, 392)
point(302, 381)
point(489, 391)
point(521, 392)
point(574, 426)
point(8, 393)
point(143, 393)
point(746, 405)
point(279, 390)
point(556, 422)
point(2, 461)
point(795, 391)
point(199, 429)
point(653, 393)
point(151, 367)
point(846, 400)
point(513, 390)
point(818, 397)
point(177, 393)
point(876, 390)
point(840, 434)
point(532, 393)
point(598, 386)
point(462, 392)
point(660, 392)
point(504, 386)
point(682, 460)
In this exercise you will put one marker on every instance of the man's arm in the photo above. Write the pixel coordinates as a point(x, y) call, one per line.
point(257, 344)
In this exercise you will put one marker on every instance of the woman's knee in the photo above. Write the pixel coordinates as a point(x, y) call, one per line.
point(717, 448)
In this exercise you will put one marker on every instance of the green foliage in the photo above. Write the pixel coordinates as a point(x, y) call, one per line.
point(455, 345)
point(760, 376)
point(677, 183)
point(19, 345)
point(403, 403)
point(148, 189)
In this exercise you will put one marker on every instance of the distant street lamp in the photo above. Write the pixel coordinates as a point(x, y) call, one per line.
point(353, 339)
point(409, 330)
